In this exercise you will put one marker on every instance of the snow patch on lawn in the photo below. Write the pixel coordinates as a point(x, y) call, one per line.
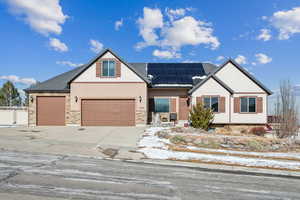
point(150, 140)
point(156, 148)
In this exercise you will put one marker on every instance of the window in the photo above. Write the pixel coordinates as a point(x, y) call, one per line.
point(212, 103)
point(108, 68)
point(161, 105)
point(248, 104)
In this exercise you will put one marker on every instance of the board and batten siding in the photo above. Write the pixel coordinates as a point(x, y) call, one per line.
point(126, 75)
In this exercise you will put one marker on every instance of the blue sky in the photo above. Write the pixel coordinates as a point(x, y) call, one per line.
point(40, 40)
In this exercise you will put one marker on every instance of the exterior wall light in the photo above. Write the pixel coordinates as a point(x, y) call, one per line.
point(76, 99)
point(31, 99)
point(140, 99)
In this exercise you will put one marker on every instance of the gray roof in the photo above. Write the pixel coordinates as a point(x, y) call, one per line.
point(61, 83)
point(141, 68)
point(56, 84)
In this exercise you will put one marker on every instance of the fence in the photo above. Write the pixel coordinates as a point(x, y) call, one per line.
point(13, 116)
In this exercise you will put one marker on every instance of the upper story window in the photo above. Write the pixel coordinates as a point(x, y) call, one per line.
point(161, 105)
point(248, 104)
point(212, 103)
point(108, 68)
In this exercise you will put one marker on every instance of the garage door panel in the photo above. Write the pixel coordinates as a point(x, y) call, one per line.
point(112, 112)
point(51, 111)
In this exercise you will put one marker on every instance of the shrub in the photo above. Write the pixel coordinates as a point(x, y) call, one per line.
point(259, 131)
point(201, 117)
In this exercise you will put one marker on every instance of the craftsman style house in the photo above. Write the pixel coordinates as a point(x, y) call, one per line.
point(108, 91)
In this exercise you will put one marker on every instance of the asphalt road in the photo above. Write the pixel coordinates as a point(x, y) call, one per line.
point(41, 176)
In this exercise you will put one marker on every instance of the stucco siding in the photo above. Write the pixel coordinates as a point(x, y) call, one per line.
point(237, 80)
point(137, 91)
point(127, 75)
point(213, 88)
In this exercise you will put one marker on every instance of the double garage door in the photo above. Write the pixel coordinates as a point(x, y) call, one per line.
point(94, 112)
point(108, 112)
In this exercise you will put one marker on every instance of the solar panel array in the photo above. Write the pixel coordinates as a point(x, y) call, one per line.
point(174, 73)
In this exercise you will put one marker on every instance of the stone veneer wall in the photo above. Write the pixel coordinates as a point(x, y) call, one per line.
point(32, 107)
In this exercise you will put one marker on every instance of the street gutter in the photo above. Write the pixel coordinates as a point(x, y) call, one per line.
point(220, 168)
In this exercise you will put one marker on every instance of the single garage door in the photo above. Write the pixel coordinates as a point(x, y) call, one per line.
point(108, 112)
point(51, 111)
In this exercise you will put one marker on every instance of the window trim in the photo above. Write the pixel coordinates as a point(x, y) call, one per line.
point(248, 97)
point(212, 96)
point(102, 68)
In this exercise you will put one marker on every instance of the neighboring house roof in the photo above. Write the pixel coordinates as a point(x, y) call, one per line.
point(179, 74)
point(269, 92)
point(216, 79)
point(56, 84)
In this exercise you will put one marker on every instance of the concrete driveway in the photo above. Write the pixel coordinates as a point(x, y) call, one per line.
point(87, 141)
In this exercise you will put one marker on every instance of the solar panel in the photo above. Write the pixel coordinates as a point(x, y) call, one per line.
point(175, 73)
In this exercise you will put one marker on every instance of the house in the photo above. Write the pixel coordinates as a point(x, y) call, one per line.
point(108, 91)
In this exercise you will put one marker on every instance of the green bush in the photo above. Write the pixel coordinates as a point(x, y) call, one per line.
point(201, 117)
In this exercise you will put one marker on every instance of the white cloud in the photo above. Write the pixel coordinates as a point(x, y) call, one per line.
point(240, 59)
point(175, 13)
point(16, 79)
point(57, 45)
point(189, 31)
point(44, 16)
point(287, 22)
point(264, 35)
point(151, 20)
point(253, 63)
point(96, 46)
point(118, 24)
point(165, 54)
point(69, 63)
point(263, 58)
point(174, 33)
point(219, 58)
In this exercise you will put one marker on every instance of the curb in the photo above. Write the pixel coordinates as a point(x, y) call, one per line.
point(221, 168)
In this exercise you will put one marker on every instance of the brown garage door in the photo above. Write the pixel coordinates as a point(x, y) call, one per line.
point(51, 111)
point(110, 112)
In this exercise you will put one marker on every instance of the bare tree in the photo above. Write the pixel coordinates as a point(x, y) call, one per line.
point(286, 111)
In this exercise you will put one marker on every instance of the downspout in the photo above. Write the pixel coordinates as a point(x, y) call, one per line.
point(230, 108)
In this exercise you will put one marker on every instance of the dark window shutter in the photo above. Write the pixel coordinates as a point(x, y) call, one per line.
point(173, 105)
point(118, 68)
point(259, 104)
point(151, 105)
point(236, 105)
point(98, 68)
point(222, 104)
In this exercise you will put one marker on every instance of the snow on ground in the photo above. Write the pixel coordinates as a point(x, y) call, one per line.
point(150, 140)
point(156, 148)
